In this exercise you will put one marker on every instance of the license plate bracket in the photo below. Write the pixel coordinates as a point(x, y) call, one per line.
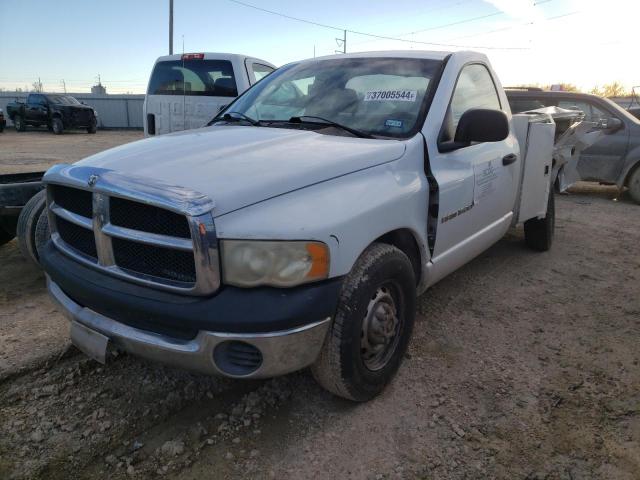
point(91, 343)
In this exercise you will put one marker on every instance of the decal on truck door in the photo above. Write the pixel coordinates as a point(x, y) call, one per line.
point(485, 180)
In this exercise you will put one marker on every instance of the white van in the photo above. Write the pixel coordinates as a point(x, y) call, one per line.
point(187, 90)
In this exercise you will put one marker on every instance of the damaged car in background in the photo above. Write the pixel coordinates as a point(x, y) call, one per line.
point(613, 157)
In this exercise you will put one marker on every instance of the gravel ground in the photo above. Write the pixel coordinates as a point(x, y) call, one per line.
point(523, 365)
point(37, 149)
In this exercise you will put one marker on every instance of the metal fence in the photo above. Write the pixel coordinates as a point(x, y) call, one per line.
point(114, 111)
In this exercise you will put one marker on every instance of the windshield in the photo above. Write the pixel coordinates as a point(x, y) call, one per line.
point(211, 78)
point(63, 100)
point(377, 96)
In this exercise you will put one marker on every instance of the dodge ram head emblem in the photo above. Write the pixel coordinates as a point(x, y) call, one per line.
point(92, 180)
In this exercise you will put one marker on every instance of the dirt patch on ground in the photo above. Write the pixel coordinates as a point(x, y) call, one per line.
point(522, 365)
point(37, 149)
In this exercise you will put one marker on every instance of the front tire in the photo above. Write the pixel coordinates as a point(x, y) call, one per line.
point(372, 326)
point(18, 122)
point(539, 232)
point(56, 125)
point(634, 185)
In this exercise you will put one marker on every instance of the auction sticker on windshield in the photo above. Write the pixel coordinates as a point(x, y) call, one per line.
point(390, 95)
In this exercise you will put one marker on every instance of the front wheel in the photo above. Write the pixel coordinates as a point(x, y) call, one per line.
point(372, 326)
point(18, 122)
point(56, 125)
point(539, 232)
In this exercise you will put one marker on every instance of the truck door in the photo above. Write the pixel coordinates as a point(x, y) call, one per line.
point(36, 109)
point(476, 184)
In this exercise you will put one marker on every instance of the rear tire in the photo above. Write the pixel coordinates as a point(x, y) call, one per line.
point(634, 185)
point(56, 125)
point(93, 126)
point(18, 122)
point(27, 226)
point(372, 326)
point(539, 232)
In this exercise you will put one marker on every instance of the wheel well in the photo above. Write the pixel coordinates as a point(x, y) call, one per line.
point(404, 240)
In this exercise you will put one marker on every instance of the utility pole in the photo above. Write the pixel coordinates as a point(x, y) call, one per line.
point(64, 86)
point(170, 27)
point(342, 42)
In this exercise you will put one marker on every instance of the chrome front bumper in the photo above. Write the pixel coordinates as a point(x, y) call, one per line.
point(282, 352)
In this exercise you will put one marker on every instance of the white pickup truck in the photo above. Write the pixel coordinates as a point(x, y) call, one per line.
point(186, 91)
point(299, 227)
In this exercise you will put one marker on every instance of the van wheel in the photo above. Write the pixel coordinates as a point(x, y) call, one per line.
point(372, 326)
point(634, 185)
point(18, 123)
point(56, 125)
point(93, 126)
point(539, 232)
point(27, 226)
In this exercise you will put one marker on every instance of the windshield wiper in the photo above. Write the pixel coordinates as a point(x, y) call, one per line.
point(237, 117)
point(314, 119)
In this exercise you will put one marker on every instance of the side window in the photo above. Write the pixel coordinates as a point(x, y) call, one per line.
point(35, 99)
point(591, 112)
point(260, 71)
point(475, 89)
point(519, 105)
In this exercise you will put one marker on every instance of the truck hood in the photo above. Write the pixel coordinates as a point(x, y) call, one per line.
point(237, 166)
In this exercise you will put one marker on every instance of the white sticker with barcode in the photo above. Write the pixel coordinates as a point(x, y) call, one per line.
point(390, 96)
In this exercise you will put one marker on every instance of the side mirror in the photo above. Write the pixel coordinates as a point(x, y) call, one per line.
point(478, 125)
point(611, 124)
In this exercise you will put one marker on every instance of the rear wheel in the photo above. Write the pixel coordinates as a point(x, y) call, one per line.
point(539, 232)
point(18, 122)
point(372, 327)
point(27, 226)
point(56, 125)
point(634, 185)
point(93, 126)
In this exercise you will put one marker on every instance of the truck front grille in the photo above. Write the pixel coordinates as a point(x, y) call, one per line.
point(77, 237)
point(138, 216)
point(127, 238)
point(155, 261)
point(73, 199)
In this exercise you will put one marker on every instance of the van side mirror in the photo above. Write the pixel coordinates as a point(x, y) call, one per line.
point(478, 125)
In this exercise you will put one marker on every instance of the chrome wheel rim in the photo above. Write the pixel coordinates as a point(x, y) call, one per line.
point(380, 329)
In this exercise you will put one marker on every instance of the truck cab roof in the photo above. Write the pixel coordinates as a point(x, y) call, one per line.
point(213, 56)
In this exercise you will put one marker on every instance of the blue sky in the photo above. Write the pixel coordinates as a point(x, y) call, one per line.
point(543, 41)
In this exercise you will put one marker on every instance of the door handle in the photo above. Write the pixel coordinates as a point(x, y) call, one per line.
point(509, 159)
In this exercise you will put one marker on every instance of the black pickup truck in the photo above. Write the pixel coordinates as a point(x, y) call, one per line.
point(57, 112)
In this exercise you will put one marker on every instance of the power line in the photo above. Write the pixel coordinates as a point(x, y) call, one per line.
point(372, 35)
point(517, 26)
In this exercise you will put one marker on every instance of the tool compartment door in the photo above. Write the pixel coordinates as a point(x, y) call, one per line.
point(536, 144)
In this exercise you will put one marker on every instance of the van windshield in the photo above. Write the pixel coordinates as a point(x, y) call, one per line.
point(213, 78)
point(377, 96)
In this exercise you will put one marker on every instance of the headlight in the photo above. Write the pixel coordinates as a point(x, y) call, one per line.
point(249, 263)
